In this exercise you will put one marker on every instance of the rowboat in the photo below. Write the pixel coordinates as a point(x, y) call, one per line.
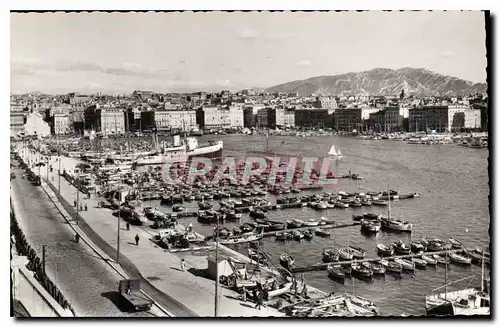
point(280, 291)
point(406, 264)
point(242, 239)
point(439, 259)
point(429, 260)
point(460, 259)
point(401, 248)
point(455, 244)
point(283, 236)
point(385, 250)
point(377, 268)
point(329, 255)
point(298, 235)
point(419, 263)
point(310, 223)
point(344, 254)
point(392, 266)
point(361, 270)
point(357, 252)
point(308, 234)
point(336, 272)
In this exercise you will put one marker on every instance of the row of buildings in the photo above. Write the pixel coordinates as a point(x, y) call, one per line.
point(148, 111)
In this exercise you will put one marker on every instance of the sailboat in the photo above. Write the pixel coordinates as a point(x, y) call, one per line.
point(334, 153)
point(394, 224)
point(465, 302)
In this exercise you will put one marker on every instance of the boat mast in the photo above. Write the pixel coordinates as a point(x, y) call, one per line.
point(216, 307)
point(389, 200)
point(482, 273)
point(446, 275)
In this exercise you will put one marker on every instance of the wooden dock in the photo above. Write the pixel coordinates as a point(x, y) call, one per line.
point(322, 266)
point(328, 226)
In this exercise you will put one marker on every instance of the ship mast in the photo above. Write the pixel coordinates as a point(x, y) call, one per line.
point(389, 200)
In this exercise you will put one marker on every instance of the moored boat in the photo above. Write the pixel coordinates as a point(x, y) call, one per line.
point(419, 263)
point(385, 250)
point(392, 266)
point(401, 248)
point(406, 264)
point(360, 270)
point(455, 244)
point(370, 226)
point(329, 255)
point(336, 272)
point(460, 259)
point(429, 260)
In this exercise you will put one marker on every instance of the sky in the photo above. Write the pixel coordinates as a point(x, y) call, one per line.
point(183, 52)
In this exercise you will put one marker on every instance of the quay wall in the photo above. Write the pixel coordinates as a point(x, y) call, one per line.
point(33, 283)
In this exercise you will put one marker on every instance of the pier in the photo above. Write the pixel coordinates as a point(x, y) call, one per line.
point(328, 226)
point(322, 266)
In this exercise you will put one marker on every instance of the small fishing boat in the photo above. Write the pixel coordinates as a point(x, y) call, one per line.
point(280, 291)
point(406, 264)
point(205, 205)
point(401, 248)
point(460, 259)
point(257, 213)
point(430, 261)
point(475, 257)
point(322, 232)
point(419, 263)
point(286, 261)
point(275, 225)
point(440, 260)
point(320, 205)
point(417, 247)
point(336, 272)
point(298, 235)
point(392, 266)
point(295, 223)
point(308, 234)
point(385, 250)
point(370, 226)
point(242, 239)
point(310, 223)
point(370, 216)
point(341, 205)
point(345, 254)
point(434, 245)
point(396, 225)
point(379, 202)
point(377, 268)
point(357, 252)
point(177, 208)
point(282, 236)
point(360, 270)
point(455, 244)
point(329, 255)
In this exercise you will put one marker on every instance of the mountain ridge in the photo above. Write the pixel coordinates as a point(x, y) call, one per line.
point(382, 81)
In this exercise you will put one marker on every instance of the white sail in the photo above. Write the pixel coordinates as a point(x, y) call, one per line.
point(333, 151)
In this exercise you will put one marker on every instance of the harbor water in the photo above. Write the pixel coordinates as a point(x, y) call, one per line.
point(453, 185)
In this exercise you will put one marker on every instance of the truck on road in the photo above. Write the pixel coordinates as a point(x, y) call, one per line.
point(131, 296)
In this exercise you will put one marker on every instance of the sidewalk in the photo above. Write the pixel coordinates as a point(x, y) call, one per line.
point(159, 267)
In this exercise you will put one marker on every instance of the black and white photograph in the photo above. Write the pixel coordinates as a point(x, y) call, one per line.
point(285, 164)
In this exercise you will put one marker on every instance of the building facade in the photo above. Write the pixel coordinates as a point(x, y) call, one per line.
point(453, 118)
point(61, 124)
point(236, 115)
point(36, 125)
point(183, 120)
point(348, 119)
point(213, 117)
point(112, 121)
point(313, 117)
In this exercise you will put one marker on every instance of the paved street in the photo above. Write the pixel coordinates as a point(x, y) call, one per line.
point(88, 283)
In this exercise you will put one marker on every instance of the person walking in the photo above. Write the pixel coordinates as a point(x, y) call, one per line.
point(128, 226)
point(183, 264)
point(136, 240)
point(244, 294)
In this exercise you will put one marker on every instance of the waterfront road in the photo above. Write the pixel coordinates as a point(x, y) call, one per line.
point(87, 282)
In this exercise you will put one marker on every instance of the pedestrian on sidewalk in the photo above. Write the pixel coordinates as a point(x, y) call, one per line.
point(86, 208)
point(77, 238)
point(74, 203)
point(244, 294)
point(183, 264)
point(128, 226)
point(136, 240)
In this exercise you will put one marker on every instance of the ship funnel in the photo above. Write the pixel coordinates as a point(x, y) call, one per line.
point(177, 140)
